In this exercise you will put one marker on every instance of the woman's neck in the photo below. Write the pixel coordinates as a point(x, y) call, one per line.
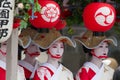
point(32, 61)
point(96, 61)
point(53, 61)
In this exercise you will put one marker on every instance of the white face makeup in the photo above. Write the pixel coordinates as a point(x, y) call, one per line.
point(33, 50)
point(56, 50)
point(3, 48)
point(101, 51)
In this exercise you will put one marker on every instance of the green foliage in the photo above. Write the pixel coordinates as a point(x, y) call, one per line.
point(116, 28)
point(27, 6)
point(70, 31)
point(76, 7)
point(118, 1)
point(23, 13)
point(23, 24)
point(37, 7)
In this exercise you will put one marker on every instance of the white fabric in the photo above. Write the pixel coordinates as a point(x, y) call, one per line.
point(26, 65)
point(95, 69)
point(21, 75)
point(92, 66)
point(99, 74)
point(57, 73)
point(35, 68)
point(30, 67)
point(104, 73)
point(3, 65)
point(61, 73)
point(51, 67)
point(108, 73)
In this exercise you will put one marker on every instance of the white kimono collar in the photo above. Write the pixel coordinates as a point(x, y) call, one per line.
point(50, 66)
point(27, 65)
point(3, 65)
point(92, 66)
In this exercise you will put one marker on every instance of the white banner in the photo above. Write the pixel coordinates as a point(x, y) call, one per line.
point(6, 19)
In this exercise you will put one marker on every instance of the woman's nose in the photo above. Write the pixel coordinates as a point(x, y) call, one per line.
point(105, 49)
point(58, 50)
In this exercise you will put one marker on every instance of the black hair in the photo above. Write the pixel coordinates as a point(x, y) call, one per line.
point(42, 50)
point(20, 49)
point(86, 50)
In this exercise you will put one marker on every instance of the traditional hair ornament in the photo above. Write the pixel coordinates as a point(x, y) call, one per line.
point(90, 41)
point(26, 36)
point(45, 40)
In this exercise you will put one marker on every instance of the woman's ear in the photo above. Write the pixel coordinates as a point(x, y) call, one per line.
point(92, 51)
point(48, 51)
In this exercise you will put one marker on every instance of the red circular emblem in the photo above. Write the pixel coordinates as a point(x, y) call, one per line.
point(48, 16)
point(99, 16)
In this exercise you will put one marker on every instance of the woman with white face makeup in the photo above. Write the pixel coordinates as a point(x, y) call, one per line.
point(97, 47)
point(56, 50)
point(52, 42)
point(30, 63)
point(3, 48)
point(31, 51)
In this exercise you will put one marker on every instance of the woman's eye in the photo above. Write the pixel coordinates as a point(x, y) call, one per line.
point(54, 47)
point(33, 45)
point(62, 47)
point(106, 46)
point(100, 46)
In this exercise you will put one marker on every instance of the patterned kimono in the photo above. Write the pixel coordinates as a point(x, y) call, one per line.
point(49, 72)
point(20, 73)
point(90, 71)
point(29, 70)
point(2, 70)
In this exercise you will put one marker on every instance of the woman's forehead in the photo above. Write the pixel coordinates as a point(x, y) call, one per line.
point(58, 42)
point(103, 43)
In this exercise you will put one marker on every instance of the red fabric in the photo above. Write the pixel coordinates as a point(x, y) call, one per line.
point(51, 72)
point(2, 74)
point(45, 78)
point(27, 72)
point(96, 19)
point(36, 76)
point(91, 73)
point(84, 75)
